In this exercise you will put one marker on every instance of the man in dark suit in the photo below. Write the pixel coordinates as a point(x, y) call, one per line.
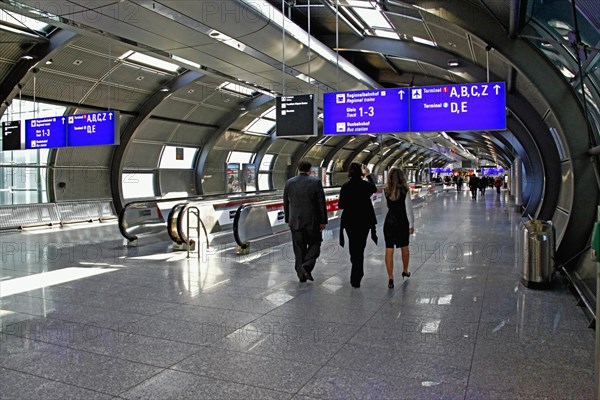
point(306, 215)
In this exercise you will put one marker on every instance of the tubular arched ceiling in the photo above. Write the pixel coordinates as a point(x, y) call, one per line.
point(240, 41)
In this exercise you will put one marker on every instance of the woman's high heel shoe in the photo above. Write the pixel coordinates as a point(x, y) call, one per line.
point(391, 284)
point(405, 274)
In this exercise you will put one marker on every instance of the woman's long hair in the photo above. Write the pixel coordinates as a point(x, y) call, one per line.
point(396, 185)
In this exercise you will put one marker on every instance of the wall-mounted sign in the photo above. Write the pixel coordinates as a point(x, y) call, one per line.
point(296, 116)
point(365, 111)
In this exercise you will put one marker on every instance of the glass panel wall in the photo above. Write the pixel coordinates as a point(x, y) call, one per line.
point(23, 179)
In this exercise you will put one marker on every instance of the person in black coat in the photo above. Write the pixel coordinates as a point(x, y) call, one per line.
point(473, 186)
point(306, 214)
point(358, 217)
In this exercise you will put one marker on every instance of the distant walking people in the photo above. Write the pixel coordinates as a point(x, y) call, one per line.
point(483, 183)
point(459, 183)
point(306, 215)
point(473, 185)
point(399, 222)
point(358, 217)
point(498, 184)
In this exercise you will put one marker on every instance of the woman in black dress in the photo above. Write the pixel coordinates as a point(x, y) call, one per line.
point(399, 222)
point(358, 217)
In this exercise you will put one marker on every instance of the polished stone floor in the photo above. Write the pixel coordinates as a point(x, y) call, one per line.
point(84, 318)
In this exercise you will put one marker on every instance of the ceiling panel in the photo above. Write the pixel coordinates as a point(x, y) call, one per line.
point(173, 108)
point(452, 41)
point(284, 147)
point(207, 115)
point(440, 73)
point(224, 101)
point(117, 97)
point(5, 68)
point(191, 135)
point(404, 65)
point(241, 122)
point(81, 63)
point(53, 86)
point(408, 26)
point(319, 152)
point(96, 156)
point(10, 45)
point(155, 130)
point(239, 141)
point(100, 45)
point(142, 156)
point(137, 78)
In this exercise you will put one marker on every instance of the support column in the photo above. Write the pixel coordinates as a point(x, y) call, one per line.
point(517, 172)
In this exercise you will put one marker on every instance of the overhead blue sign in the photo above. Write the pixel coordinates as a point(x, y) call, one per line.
point(467, 107)
point(365, 111)
point(45, 133)
point(99, 128)
point(434, 170)
point(491, 170)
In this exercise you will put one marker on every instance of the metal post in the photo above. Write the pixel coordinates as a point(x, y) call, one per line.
point(193, 210)
point(518, 183)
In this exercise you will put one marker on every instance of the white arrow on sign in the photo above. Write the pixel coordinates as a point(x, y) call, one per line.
point(497, 87)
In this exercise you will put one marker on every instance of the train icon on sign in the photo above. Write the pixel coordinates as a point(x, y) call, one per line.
point(340, 98)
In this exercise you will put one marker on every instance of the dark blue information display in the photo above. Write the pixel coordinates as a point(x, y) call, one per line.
point(11, 135)
point(46, 133)
point(365, 111)
point(93, 129)
point(440, 170)
point(491, 170)
point(466, 107)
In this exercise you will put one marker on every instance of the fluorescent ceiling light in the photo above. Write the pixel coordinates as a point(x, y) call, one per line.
point(358, 3)
point(260, 125)
point(185, 61)
point(17, 31)
point(149, 61)
point(386, 34)
point(232, 87)
point(22, 21)
point(270, 113)
point(373, 18)
point(424, 41)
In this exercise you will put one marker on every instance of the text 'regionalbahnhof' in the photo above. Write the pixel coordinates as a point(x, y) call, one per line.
point(145, 147)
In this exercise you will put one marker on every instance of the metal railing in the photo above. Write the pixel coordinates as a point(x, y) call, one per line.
point(145, 217)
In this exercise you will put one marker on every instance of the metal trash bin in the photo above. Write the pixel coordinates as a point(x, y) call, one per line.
point(537, 269)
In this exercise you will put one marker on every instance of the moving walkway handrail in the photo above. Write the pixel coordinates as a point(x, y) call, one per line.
point(236, 220)
point(329, 191)
point(185, 210)
point(189, 199)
